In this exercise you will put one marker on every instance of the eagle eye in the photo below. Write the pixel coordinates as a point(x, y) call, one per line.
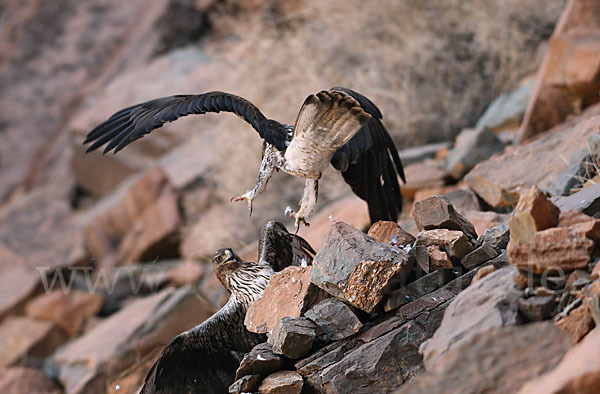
point(218, 259)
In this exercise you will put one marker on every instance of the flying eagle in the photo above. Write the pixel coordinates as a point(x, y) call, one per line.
point(337, 126)
point(204, 359)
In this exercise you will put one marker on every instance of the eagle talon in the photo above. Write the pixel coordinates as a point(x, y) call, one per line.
point(248, 200)
point(297, 218)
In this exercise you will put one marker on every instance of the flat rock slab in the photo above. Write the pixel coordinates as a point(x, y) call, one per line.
point(21, 337)
point(16, 380)
point(293, 336)
point(496, 361)
point(282, 382)
point(335, 318)
point(578, 371)
point(490, 303)
point(67, 310)
point(115, 344)
point(17, 284)
point(587, 200)
point(357, 268)
point(288, 294)
point(499, 180)
point(552, 251)
point(41, 232)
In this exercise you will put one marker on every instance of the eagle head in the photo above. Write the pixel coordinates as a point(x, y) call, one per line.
point(243, 279)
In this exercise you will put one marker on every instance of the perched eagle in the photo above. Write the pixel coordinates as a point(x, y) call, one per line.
point(337, 126)
point(204, 359)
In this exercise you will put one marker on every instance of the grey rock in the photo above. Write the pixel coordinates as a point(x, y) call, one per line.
point(463, 200)
point(420, 153)
point(581, 167)
point(415, 289)
point(480, 255)
point(489, 303)
point(497, 236)
point(293, 336)
point(507, 109)
point(471, 147)
point(325, 357)
point(500, 360)
point(537, 308)
point(246, 384)
point(586, 200)
point(357, 268)
point(335, 318)
point(261, 360)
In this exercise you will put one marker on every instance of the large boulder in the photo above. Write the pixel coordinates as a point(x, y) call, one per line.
point(357, 268)
point(489, 303)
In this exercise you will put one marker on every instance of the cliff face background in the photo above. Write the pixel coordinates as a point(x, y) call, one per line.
point(66, 65)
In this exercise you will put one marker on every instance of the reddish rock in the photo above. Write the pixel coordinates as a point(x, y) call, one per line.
point(288, 294)
point(534, 212)
point(188, 272)
point(357, 268)
point(582, 224)
point(438, 258)
point(454, 243)
point(483, 272)
point(553, 250)
point(500, 179)
point(67, 310)
point(40, 231)
point(498, 360)
point(142, 216)
point(17, 380)
point(577, 323)
point(117, 342)
point(438, 213)
point(22, 337)
point(489, 303)
point(282, 382)
point(387, 232)
point(577, 372)
point(423, 175)
point(17, 284)
point(485, 220)
point(566, 75)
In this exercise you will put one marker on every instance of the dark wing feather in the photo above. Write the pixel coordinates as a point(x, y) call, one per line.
point(280, 249)
point(204, 359)
point(370, 164)
point(134, 122)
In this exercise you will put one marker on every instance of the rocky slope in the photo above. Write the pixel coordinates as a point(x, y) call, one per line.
point(494, 261)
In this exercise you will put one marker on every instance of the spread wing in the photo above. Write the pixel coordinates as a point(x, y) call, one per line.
point(280, 249)
point(204, 359)
point(329, 119)
point(370, 164)
point(134, 122)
